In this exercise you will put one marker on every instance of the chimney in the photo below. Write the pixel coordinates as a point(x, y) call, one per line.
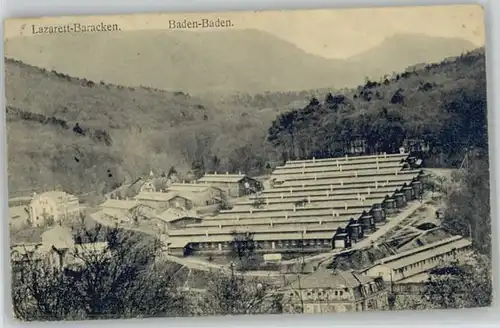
point(345, 206)
point(369, 190)
point(376, 184)
point(355, 174)
point(227, 173)
point(215, 173)
point(286, 215)
point(327, 193)
point(309, 199)
point(314, 159)
point(281, 195)
point(346, 157)
point(340, 168)
point(239, 172)
point(294, 209)
point(315, 177)
point(341, 182)
point(337, 162)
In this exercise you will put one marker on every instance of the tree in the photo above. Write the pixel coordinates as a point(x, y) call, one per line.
point(238, 294)
point(243, 249)
point(468, 206)
point(121, 280)
point(464, 286)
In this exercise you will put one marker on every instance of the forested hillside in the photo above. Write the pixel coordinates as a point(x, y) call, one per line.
point(124, 133)
point(84, 136)
point(443, 104)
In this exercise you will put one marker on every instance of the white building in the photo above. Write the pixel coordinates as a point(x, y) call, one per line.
point(55, 205)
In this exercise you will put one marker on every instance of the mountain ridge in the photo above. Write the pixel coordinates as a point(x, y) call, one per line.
point(229, 61)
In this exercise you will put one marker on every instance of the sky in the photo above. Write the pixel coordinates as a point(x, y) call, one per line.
point(330, 33)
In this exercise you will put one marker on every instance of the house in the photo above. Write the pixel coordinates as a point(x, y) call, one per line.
point(127, 191)
point(335, 291)
point(201, 194)
point(57, 248)
point(233, 185)
point(126, 210)
point(53, 205)
point(175, 218)
point(155, 185)
point(164, 200)
point(419, 260)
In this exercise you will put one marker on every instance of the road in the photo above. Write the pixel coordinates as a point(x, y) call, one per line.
point(366, 242)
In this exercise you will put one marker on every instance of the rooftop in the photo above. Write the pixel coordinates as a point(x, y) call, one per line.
point(229, 178)
point(119, 204)
point(324, 278)
point(57, 196)
point(173, 214)
point(192, 187)
point(424, 252)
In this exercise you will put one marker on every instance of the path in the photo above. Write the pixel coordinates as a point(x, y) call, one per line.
point(391, 224)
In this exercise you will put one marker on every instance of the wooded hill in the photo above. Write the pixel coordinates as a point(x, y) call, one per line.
point(131, 131)
point(122, 133)
point(443, 104)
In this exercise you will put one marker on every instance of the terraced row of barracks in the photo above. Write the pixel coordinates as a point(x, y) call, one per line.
point(311, 206)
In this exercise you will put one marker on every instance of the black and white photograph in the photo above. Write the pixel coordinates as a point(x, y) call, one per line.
point(247, 163)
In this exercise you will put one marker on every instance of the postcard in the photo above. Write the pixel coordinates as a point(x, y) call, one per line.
point(260, 162)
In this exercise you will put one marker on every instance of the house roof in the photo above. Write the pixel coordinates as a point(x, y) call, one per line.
point(58, 236)
point(422, 253)
point(162, 196)
point(57, 196)
point(119, 204)
point(190, 187)
point(324, 278)
point(173, 214)
point(221, 178)
point(159, 183)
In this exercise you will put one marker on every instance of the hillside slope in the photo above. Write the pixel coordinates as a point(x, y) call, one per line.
point(443, 104)
point(224, 62)
point(125, 132)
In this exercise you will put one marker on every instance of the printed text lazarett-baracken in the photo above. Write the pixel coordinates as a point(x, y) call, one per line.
point(74, 28)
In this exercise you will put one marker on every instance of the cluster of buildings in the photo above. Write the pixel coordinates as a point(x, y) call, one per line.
point(325, 291)
point(311, 206)
point(307, 206)
point(172, 204)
